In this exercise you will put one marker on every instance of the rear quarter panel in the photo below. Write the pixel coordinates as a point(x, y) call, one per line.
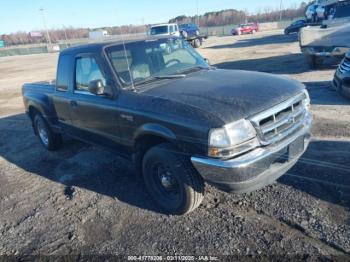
point(38, 96)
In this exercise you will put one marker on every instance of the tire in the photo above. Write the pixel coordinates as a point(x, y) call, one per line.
point(184, 34)
point(171, 180)
point(312, 61)
point(341, 92)
point(196, 43)
point(50, 140)
point(286, 32)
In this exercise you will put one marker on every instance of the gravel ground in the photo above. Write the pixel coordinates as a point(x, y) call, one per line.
point(83, 200)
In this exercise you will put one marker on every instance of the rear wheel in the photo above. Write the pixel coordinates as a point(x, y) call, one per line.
point(50, 140)
point(171, 180)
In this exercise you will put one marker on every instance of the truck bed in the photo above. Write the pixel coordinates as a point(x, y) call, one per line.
point(338, 36)
point(46, 87)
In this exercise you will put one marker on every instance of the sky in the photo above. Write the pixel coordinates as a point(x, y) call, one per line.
point(24, 15)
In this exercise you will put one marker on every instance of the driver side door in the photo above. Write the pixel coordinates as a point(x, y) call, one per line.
point(94, 117)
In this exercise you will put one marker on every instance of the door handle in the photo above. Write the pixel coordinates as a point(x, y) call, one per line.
point(73, 103)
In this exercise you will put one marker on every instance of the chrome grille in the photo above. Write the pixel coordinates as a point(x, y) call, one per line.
point(345, 66)
point(282, 120)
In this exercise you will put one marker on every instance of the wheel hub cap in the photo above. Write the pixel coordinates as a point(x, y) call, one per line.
point(167, 180)
point(43, 134)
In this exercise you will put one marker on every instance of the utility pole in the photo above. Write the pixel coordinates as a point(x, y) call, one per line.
point(281, 5)
point(144, 25)
point(197, 12)
point(48, 39)
point(65, 36)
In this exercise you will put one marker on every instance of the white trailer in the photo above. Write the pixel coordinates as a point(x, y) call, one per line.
point(98, 34)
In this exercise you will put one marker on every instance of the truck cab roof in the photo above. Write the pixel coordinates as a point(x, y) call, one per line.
point(99, 46)
point(165, 24)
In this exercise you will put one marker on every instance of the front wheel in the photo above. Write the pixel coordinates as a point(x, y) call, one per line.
point(313, 61)
point(171, 180)
point(197, 43)
point(50, 140)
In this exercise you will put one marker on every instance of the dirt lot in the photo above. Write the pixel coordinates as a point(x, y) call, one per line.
point(84, 200)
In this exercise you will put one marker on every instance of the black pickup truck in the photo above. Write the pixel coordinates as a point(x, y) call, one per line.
point(181, 121)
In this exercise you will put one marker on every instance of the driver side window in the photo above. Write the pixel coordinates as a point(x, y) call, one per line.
point(86, 71)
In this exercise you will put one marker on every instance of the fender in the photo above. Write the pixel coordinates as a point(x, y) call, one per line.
point(41, 104)
point(154, 129)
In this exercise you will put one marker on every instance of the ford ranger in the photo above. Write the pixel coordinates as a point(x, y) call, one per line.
point(181, 121)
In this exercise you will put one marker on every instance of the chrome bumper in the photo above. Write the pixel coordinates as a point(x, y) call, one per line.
point(336, 51)
point(255, 169)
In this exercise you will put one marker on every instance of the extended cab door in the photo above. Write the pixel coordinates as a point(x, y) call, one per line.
point(94, 117)
point(61, 98)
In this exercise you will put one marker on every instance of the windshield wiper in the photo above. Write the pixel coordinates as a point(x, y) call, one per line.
point(154, 78)
point(170, 76)
point(192, 69)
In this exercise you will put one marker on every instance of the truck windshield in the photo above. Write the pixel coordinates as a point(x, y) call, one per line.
point(158, 30)
point(151, 60)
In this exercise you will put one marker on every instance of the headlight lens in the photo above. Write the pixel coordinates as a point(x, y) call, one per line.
point(307, 99)
point(218, 138)
point(232, 139)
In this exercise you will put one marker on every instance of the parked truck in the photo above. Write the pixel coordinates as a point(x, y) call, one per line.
point(331, 39)
point(189, 32)
point(181, 121)
point(98, 34)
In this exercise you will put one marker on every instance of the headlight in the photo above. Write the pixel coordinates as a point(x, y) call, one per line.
point(232, 139)
point(307, 99)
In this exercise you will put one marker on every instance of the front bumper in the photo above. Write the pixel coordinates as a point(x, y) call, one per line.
point(257, 168)
point(341, 82)
point(325, 51)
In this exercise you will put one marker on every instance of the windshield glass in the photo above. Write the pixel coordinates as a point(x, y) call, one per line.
point(183, 26)
point(159, 30)
point(153, 58)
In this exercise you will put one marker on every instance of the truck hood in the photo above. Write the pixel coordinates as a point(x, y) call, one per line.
point(228, 94)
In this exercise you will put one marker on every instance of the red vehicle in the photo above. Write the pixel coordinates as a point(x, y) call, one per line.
point(249, 28)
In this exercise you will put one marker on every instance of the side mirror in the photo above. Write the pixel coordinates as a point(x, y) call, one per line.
point(207, 61)
point(97, 87)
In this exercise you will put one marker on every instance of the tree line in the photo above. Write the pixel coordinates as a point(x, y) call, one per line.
point(224, 17)
point(65, 34)
point(232, 16)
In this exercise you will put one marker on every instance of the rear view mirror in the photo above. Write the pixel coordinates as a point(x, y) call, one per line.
point(207, 61)
point(96, 87)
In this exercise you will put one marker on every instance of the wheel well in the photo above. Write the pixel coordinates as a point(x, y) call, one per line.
point(32, 111)
point(143, 144)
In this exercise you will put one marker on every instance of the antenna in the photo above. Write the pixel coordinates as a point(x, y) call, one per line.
point(126, 58)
